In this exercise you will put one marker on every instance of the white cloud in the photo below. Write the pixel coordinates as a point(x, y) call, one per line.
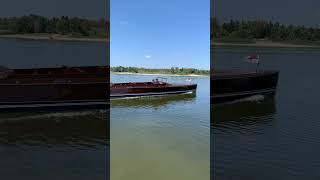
point(148, 56)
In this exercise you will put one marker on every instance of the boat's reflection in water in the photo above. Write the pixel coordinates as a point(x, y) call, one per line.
point(55, 145)
point(152, 102)
point(246, 112)
point(73, 129)
point(235, 129)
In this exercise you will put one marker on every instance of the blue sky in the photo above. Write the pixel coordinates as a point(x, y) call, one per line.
point(160, 33)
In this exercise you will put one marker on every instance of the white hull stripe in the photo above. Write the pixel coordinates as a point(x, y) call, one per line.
point(156, 95)
point(244, 93)
point(50, 84)
point(52, 105)
point(150, 94)
point(52, 102)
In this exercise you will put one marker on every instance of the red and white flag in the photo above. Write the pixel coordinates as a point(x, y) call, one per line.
point(253, 58)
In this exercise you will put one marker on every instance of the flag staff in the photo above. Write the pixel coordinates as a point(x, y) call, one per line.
point(259, 58)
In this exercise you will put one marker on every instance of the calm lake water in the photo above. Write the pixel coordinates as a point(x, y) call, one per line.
point(17, 53)
point(72, 145)
point(269, 139)
point(162, 137)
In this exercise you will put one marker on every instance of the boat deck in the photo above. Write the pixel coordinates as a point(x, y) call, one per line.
point(139, 85)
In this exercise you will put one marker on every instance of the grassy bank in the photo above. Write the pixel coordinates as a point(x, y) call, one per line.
point(54, 37)
point(174, 71)
point(271, 44)
point(156, 74)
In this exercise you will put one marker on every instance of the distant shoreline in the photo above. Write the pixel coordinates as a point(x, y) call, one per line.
point(158, 74)
point(265, 44)
point(53, 37)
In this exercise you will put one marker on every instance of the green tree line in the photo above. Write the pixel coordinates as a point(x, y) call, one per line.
point(55, 25)
point(173, 70)
point(262, 29)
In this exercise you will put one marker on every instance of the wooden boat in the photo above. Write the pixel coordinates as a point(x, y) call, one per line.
point(71, 87)
point(155, 88)
point(229, 86)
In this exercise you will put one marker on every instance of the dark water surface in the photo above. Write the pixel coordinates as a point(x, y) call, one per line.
point(161, 138)
point(48, 145)
point(269, 139)
point(19, 53)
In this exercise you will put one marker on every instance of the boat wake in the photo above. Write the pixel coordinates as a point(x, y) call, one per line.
point(97, 113)
point(254, 98)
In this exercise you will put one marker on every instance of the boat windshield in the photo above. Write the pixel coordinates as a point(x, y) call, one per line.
point(160, 80)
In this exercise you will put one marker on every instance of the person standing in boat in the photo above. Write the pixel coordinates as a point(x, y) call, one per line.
point(155, 81)
point(189, 80)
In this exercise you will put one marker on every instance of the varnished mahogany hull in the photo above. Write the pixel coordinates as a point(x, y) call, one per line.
point(228, 87)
